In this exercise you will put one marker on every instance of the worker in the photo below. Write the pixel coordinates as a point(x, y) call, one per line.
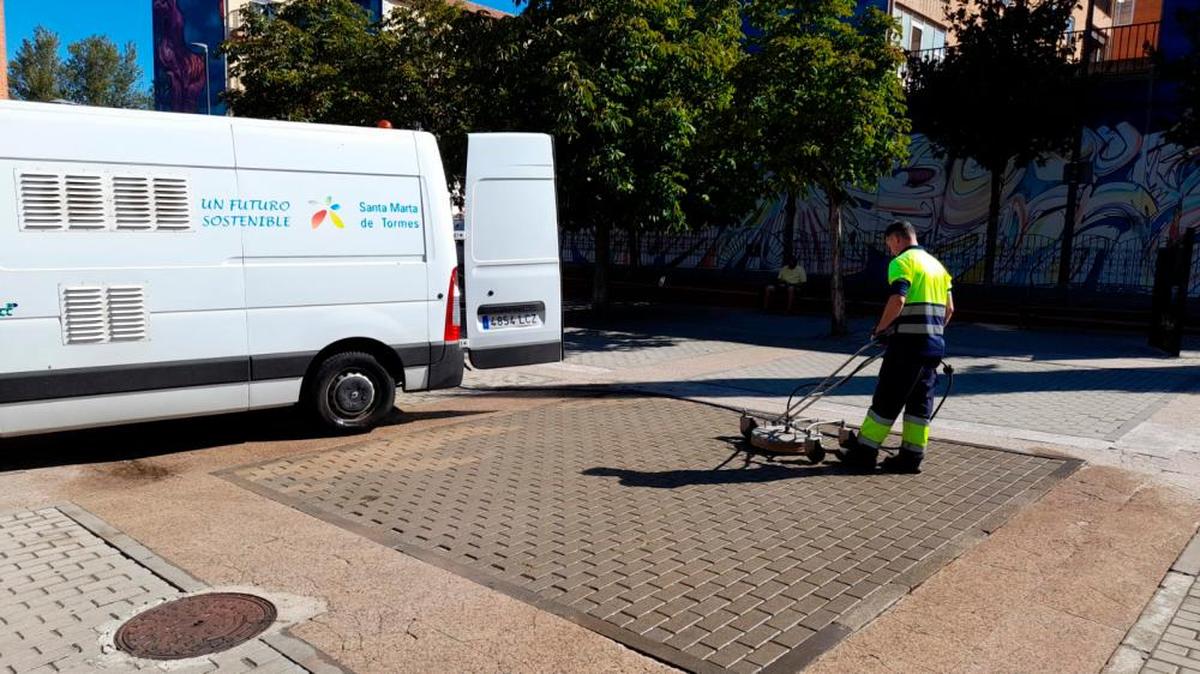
point(791, 276)
point(913, 323)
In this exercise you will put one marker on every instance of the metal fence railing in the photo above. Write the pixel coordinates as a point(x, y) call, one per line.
point(1031, 261)
point(1114, 49)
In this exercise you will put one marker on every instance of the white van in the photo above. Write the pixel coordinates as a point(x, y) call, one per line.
point(157, 265)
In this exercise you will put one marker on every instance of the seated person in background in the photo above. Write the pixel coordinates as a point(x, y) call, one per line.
point(790, 278)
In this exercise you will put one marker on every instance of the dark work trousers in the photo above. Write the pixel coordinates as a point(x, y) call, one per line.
point(906, 383)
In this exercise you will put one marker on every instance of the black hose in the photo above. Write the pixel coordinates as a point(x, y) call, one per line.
point(949, 371)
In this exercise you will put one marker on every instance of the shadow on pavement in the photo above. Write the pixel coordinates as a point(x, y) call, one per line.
point(673, 323)
point(584, 340)
point(745, 465)
point(159, 438)
point(968, 381)
point(749, 473)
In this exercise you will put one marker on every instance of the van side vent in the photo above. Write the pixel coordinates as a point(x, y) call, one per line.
point(85, 201)
point(133, 202)
point(41, 201)
point(100, 201)
point(126, 313)
point(172, 207)
point(84, 317)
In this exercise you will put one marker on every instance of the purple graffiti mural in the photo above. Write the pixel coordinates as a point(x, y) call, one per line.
point(179, 67)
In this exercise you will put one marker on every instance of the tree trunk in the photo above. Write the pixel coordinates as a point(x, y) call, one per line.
point(993, 226)
point(603, 240)
point(789, 230)
point(836, 291)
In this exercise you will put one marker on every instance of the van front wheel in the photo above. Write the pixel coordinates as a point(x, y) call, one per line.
point(351, 393)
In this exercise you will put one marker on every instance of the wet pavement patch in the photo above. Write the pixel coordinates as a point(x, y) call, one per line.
point(613, 514)
point(195, 626)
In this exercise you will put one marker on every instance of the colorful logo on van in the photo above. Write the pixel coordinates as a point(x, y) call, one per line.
point(327, 211)
point(6, 309)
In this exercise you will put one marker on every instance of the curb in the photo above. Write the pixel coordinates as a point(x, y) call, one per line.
point(1143, 638)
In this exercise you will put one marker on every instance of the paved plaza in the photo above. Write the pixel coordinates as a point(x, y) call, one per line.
point(610, 512)
point(599, 515)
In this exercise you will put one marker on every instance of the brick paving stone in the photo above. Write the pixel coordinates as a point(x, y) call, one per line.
point(55, 616)
point(619, 496)
point(993, 390)
point(1178, 647)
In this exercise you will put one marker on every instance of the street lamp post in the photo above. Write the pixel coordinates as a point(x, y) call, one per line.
point(207, 85)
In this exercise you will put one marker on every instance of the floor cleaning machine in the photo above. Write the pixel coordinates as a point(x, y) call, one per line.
point(796, 434)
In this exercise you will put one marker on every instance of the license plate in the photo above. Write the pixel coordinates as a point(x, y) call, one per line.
point(507, 320)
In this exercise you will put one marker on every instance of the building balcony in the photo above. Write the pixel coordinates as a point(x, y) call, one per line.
point(1114, 50)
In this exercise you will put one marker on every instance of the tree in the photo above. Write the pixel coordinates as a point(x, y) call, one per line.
point(35, 73)
point(98, 73)
point(827, 105)
point(311, 61)
point(327, 61)
point(1186, 71)
point(629, 89)
point(974, 102)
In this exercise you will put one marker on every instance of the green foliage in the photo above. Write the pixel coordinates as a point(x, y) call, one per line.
point(822, 91)
point(825, 107)
point(639, 96)
point(1186, 71)
point(1007, 90)
point(976, 101)
point(96, 72)
point(314, 61)
point(35, 73)
point(327, 61)
point(635, 93)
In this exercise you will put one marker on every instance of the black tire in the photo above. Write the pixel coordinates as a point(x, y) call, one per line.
point(350, 393)
point(748, 424)
point(816, 455)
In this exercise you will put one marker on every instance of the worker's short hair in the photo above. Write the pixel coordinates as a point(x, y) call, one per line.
point(902, 228)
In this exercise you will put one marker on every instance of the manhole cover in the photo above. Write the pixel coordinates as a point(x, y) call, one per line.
point(195, 626)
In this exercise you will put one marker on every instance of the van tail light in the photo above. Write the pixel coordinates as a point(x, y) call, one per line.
point(453, 319)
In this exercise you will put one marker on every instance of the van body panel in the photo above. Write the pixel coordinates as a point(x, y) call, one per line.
point(513, 281)
point(155, 265)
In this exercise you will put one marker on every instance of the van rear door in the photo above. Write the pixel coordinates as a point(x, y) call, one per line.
point(512, 277)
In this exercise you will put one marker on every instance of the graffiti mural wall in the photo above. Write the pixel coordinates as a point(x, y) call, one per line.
point(1144, 193)
point(179, 67)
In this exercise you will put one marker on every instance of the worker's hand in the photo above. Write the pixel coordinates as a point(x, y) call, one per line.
point(881, 336)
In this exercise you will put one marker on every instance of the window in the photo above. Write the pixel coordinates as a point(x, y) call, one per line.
point(918, 33)
point(267, 7)
point(1124, 15)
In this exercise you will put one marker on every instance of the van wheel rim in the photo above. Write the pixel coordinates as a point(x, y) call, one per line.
point(352, 395)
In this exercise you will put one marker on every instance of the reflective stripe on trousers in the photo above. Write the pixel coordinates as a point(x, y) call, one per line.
point(915, 436)
point(874, 430)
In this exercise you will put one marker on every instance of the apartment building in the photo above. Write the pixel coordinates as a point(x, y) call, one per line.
point(188, 74)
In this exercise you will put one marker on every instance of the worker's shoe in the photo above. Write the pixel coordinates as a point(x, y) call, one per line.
point(902, 462)
point(857, 456)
